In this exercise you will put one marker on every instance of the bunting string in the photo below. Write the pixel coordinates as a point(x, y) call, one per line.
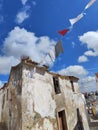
point(89, 4)
point(58, 47)
point(76, 19)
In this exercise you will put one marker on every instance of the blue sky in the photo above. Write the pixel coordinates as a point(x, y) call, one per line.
point(29, 27)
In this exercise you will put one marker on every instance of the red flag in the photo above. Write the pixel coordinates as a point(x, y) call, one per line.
point(63, 32)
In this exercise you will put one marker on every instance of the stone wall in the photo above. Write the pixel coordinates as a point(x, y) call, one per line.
point(96, 76)
point(80, 103)
point(15, 90)
point(4, 106)
point(38, 105)
point(41, 104)
point(30, 101)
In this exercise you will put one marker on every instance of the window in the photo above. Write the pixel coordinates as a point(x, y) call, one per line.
point(56, 85)
point(72, 86)
point(62, 120)
point(7, 94)
point(3, 102)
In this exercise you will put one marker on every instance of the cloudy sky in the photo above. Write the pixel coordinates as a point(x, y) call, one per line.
point(30, 27)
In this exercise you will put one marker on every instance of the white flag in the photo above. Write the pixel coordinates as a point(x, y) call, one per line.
point(52, 54)
point(58, 48)
point(89, 4)
point(74, 20)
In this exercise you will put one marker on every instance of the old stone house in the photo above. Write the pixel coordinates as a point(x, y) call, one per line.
point(96, 76)
point(36, 99)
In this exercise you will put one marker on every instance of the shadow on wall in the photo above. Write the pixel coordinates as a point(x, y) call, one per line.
point(79, 125)
point(3, 126)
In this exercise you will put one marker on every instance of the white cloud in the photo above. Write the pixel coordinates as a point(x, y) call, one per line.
point(82, 59)
point(21, 42)
point(87, 84)
point(91, 40)
point(88, 79)
point(73, 44)
point(1, 84)
point(6, 63)
point(75, 70)
point(90, 53)
point(24, 1)
point(23, 15)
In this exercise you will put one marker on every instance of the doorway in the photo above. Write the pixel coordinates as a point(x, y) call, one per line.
point(62, 120)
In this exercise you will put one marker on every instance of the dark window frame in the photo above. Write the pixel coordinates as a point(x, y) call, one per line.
point(7, 93)
point(72, 85)
point(56, 85)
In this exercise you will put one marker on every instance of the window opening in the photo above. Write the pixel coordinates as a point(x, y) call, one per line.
point(7, 94)
point(3, 101)
point(72, 85)
point(56, 85)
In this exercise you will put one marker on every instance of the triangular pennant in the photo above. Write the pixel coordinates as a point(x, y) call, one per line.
point(89, 4)
point(63, 32)
point(74, 20)
point(58, 48)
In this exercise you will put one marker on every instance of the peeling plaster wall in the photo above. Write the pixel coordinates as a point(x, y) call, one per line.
point(81, 105)
point(32, 103)
point(38, 105)
point(69, 103)
point(76, 87)
point(4, 107)
point(96, 82)
point(15, 114)
point(47, 125)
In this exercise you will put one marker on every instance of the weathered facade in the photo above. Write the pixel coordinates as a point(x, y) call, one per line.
point(36, 99)
point(96, 76)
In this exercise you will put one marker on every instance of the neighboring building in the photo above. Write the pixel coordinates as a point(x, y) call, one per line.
point(96, 76)
point(36, 99)
point(4, 108)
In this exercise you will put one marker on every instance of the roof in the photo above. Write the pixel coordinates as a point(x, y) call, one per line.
point(27, 61)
